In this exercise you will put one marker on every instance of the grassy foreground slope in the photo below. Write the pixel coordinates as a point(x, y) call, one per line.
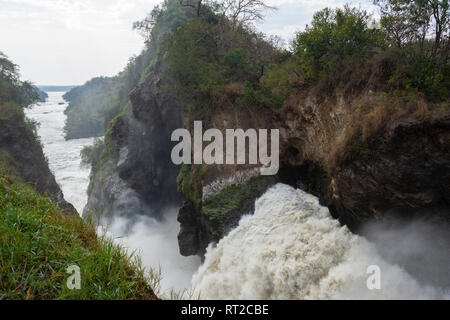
point(38, 243)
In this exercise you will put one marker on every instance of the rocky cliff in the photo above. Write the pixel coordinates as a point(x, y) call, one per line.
point(20, 149)
point(366, 147)
point(364, 154)
point(138, 147)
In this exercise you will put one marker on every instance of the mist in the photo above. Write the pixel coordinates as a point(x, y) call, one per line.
point(291, 248)
point(156, 242)
point(421, 247)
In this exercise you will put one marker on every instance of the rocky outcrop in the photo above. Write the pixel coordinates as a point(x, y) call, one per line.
point(368, 164)
point(219, 214)
point(139, 147)
point(21, 150)
point(148, 167)
point(408, 171)
point(111, 197)
point(361, 158)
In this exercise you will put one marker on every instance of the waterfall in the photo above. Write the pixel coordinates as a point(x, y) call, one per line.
point(292, 248)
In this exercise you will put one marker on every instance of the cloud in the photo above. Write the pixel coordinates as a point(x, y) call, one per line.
point(71, 41)
point(292, 16)
point(68, 41)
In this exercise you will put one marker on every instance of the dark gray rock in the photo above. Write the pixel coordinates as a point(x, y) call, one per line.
point(19, 145)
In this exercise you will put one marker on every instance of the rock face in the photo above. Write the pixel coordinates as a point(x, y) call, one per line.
point(20, 148)
point(409, 169)
point(365, 155)
point(140, 148)
point(401, 166)
point(362, 165)
point(148, 168)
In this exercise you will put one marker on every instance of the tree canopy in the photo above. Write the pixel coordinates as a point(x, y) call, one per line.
point(12, 89)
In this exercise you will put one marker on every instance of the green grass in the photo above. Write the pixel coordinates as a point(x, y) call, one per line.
point(190, 182)
point(233, 196)
point(216, 206)
point(38, 243)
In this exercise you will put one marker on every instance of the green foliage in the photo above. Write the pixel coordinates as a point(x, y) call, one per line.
point(208, 53)
point(236, 58)
point(216, 206)
point(413, 72)
point(21, 93)
point(261, 97)
point(191, 65)
point(336, 38)
point(38, 243)
point(91, 155)
point(110, 142)
point(88, 104)
point(91, 85)
point(234, 196)
point(422, 63)
point(407, 21)
point(190, 182)
point(161, 20)
point(429, 76)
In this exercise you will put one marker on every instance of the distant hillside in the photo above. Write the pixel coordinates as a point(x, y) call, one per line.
point(55, 88)
point(93, 105)
point(87, 106)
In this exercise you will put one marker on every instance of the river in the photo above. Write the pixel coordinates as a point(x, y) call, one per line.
point(63, 156)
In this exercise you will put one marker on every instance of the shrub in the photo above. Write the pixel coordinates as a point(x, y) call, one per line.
point(335, 39)
point(90, 155)
point(236, 58)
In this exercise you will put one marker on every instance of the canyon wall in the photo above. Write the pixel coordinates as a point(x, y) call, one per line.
point(21, 151)
point(364, 155)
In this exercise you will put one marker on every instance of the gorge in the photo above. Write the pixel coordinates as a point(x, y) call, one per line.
point(353, 177)
point(366, 154)
point(290, 248)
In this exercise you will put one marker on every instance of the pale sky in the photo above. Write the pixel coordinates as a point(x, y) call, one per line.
point(67, 42)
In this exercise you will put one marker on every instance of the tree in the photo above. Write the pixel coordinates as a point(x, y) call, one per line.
point(196, 4)
point(145, 26)
point(239, 12)
point(335, 39)
point(411, 20)
point(8, 70)
point(11, 88)
point(243, 12)
point(398, 25)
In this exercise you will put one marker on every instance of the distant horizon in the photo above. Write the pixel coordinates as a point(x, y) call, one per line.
point(56, 88)
point(58, 85)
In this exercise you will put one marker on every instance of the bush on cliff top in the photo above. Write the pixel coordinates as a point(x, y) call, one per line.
point(38, 243)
